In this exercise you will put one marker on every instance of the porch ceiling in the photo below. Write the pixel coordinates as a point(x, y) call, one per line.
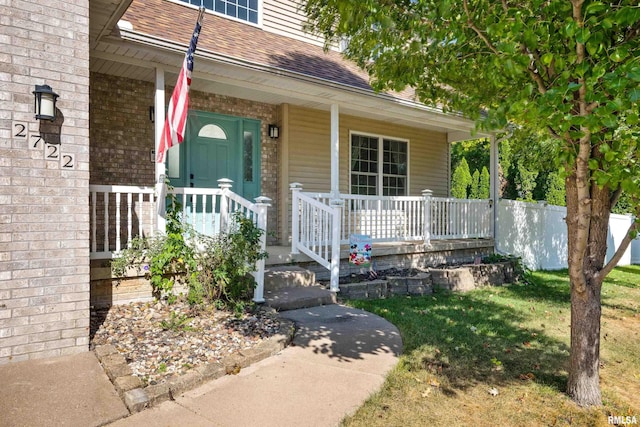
point(135, 56)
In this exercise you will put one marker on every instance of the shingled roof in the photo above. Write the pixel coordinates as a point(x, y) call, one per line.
point(174, 22)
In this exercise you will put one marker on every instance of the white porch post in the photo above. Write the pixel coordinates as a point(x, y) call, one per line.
point(426, 194)
point(494, 182)
point(160, 167)
point(262, 203)
point(335, 151)
point(225, 185)
point(336, 203)
point(336, 225)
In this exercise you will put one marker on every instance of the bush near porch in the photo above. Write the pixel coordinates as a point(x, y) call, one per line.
point(213, 269)
point(499, 356)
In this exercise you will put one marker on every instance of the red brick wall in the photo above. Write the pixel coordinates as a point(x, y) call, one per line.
point(121, 132)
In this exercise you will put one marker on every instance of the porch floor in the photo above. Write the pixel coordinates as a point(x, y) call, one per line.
point(279, 255)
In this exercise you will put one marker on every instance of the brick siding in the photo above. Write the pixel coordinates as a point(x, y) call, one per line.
point(44, 215)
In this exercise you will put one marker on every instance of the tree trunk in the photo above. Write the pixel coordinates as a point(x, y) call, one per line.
point(584, 366)
point(586, 284)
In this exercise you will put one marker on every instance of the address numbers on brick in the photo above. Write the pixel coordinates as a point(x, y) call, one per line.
point(51, 152)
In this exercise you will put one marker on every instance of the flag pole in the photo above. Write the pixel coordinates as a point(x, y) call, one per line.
point(175, 123)
point(171, 130)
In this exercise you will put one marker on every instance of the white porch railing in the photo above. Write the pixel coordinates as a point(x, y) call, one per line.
point(321, 223)
point(121, 213)
point(118, 214)
point(385, 219)
point(402, 218)
point(315, 231)
point(461, 218)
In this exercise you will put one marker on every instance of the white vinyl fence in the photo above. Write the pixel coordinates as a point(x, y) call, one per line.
point(635, 251)
point(537, 233)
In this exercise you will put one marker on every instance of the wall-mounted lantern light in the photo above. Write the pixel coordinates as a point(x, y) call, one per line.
point(45, 102)
point(274, 131)
point(152, 114)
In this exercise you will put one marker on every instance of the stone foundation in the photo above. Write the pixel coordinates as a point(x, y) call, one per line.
point(416, 257)
point(106, 291)
point(455, 279)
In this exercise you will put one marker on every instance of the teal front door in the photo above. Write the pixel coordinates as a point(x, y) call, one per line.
point(214, 152)
point(216, 146)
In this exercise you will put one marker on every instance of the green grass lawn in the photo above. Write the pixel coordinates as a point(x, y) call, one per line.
point(498, 356)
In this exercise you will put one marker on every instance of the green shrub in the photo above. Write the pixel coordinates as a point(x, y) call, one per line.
point(218, 271)
point(171, 259)
point(227, 261)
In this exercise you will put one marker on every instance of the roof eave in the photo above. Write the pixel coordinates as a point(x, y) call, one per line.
point(455, 121)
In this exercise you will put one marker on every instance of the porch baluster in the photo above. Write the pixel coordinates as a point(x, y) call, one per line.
point(140, 214)
point(118, 222)
point(129, 219)
point(106, 221)
point(94, 200)
point(205, 202)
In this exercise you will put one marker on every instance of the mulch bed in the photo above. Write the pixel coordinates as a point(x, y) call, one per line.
point(160, 341)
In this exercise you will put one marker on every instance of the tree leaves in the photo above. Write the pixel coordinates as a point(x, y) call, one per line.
point(522, 65)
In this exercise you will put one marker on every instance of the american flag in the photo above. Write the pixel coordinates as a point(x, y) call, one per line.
point(175, 123)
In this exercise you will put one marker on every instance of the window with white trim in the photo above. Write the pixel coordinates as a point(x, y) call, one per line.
point(378, 165)
point(243, 10)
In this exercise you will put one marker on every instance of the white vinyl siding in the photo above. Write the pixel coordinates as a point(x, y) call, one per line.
point(309, 148)
point(309, 157)
point(283, 17)
point(308, 154)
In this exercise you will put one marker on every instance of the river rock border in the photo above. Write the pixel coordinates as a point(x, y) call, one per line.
point(457, 279)
point(136, 397)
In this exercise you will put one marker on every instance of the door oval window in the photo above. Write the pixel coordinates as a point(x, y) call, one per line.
point(212, 131)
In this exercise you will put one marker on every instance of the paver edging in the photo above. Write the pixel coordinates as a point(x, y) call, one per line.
point(136, 397)
point(458, 278)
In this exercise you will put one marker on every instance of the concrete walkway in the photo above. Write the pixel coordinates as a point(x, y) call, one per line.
point(339, 356)
point(61, 391)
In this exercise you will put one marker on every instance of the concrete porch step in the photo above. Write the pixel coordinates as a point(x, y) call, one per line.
point(292, 298)
point(287, 276)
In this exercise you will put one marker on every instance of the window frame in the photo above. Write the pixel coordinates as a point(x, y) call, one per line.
point(380, 160)
point(223, 15)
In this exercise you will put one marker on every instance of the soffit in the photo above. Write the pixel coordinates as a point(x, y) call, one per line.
point(103, 17)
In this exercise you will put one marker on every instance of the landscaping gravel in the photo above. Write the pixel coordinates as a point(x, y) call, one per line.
point(160, 341)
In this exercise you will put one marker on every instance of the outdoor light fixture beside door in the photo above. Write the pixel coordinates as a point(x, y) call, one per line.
point(45, 102)
point(274, 131)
